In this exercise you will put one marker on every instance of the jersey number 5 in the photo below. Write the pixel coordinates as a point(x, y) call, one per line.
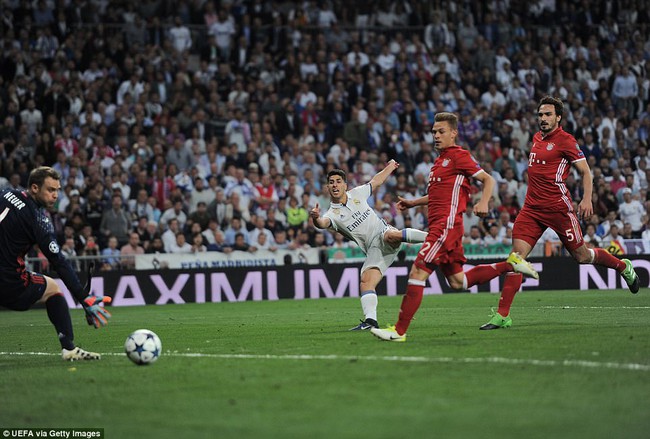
point(569, 234)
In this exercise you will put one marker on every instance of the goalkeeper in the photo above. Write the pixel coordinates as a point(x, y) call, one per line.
point(23, 223)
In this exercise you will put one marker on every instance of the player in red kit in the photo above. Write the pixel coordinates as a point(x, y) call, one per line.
point(548, 204)
point(448, 192)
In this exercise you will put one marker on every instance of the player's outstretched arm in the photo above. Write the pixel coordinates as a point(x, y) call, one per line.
point(383, 175)
point(405, 204)
point(319, 222)
point(95, 314)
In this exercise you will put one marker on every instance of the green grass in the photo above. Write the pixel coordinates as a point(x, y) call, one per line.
point(291, 369)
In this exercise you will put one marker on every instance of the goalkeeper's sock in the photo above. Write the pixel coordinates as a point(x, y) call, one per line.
point(484, 273)
point(410, 304)
point(413, 235)
point(604, 258)
point(59, 314)
point(510, 288)
point(369, 304)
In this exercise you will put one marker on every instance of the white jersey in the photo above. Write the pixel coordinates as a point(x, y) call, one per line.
point(356, 220)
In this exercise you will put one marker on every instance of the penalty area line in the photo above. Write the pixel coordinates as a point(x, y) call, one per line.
point(394, 358)
point(593, 307)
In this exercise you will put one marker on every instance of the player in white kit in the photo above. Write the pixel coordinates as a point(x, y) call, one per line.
point(350, 215)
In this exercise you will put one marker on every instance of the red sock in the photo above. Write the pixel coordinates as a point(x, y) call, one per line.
point(486, 272)
point(410, 304)
point(602, 257)
point(510, 288)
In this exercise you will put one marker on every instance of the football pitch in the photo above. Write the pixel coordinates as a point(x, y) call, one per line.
point(574, 365)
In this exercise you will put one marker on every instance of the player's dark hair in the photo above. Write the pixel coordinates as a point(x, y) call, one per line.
point(339, 172)
point(450, 118)
point(557, 103)
point(38, 176)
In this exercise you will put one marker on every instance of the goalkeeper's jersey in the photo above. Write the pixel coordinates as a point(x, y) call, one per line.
point(24, 223)
point(355, 219)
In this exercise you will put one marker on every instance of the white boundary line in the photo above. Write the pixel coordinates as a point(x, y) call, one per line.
point(404, 359)
point(594, 307)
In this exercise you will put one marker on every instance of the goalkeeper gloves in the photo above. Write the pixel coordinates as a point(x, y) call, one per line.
point(96, 315)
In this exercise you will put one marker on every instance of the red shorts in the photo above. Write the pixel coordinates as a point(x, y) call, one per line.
point(443, 248)
point(530, 224)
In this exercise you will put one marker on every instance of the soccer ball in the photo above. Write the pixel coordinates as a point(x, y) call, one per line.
point(143, 347)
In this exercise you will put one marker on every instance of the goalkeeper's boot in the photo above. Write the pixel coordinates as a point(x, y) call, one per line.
point(365, 325)
point(520, 265)
point(388, 334)
point(77, 354)
point(497, 322)
point(630, 277)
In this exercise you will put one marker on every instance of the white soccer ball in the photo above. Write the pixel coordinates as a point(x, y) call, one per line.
point(143, 347)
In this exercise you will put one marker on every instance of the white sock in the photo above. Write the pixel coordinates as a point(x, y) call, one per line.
point(413, 235)
point(369, 304)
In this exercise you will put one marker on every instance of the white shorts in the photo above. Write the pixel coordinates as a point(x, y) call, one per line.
point(380, 254)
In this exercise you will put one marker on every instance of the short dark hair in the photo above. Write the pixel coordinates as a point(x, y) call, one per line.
point(450, 118)
point(38, 176)
point(339, 172)
point(556, 102)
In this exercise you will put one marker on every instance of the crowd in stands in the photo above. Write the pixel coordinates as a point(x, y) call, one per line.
point(198, 125)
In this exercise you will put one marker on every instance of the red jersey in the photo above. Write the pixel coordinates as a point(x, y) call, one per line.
point(449, 187)
point(549, 164)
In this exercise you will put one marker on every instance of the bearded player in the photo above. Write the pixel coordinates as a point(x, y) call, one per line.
point(548, 204)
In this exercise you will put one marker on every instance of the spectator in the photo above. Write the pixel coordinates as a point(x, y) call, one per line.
point(260, 229)
point(115, 221)
point(197, 244)
point(219, 244)
point(223, 31)
point(175, 211)
point(69, 252)
point(473, 237)
point(241, 245)
point(180, 246)
point(296, 215)
point(236, 227)
point(157, 246)
point(140, 206)
point(111, 255)
point(130, 250)
point(169, 236)
point(200, 216)
point(180, 36)
point(631, 212)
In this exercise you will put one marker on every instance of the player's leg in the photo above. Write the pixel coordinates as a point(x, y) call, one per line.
point(410, 304)
point(424, 265)
point(511, 285)
point(395, 237)
point(568, 229)
point(57, 310)
point(368, 296)
point(486, 272)
point(379, 257)
point(526, 232)
point(59, 314)
point(600, 256)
